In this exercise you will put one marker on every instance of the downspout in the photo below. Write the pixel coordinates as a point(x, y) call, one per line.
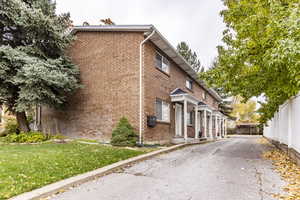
point(141, 87)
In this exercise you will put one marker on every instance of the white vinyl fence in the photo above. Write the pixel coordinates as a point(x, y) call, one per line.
point(285, 125)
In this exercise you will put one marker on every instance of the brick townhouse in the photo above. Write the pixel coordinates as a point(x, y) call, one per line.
point(133, 71)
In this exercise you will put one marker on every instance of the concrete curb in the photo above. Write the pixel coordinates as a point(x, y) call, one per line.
point(62, 185)
point(291, 152)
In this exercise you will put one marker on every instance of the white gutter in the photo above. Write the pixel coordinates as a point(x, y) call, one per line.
point(183, 64)
point(126, 28)
point(141, 87)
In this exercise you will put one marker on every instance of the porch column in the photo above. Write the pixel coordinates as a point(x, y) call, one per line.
point(219, 125)
point(222, 126)
point(210, 126)
point(196, 122)
point(216, 126)
point(225, 127)
point(205, 124)
point(185, 120)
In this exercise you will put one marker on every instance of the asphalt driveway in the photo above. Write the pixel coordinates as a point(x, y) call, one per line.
point(229, 169)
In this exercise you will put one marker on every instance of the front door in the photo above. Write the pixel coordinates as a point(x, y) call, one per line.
point(178, 120)
point(199, 125)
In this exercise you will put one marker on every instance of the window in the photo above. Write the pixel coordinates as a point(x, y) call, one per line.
point(190, 118)
point(204, 95)
point(162, 111)
point(162, 63)
point(189, 84)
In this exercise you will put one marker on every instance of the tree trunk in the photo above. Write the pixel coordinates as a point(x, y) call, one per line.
point(22, 122)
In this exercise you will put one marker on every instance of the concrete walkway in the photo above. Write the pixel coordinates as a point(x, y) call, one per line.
point(230, 169)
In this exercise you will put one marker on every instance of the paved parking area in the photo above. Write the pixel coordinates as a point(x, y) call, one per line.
point(229, 169)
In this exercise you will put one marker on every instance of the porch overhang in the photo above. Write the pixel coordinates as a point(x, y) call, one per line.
point(203, 106)
point(217, 113)
point(184, 97)
point(179, 95)
point(224, 116)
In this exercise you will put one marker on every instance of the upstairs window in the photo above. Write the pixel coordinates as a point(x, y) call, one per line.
point(204, 95)
point(189, 84)
point(162, 63)
point(162, 110)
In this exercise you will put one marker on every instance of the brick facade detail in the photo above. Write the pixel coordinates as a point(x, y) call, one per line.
point(109, 67)
point(159, 85)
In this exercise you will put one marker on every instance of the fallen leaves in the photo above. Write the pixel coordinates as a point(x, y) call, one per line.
point(263, 141)
point(288, 170)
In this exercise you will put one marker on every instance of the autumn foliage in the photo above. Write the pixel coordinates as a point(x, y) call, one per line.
point(289, 171)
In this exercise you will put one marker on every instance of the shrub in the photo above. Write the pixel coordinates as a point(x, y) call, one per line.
point(123, 134)
point(58, 137)
point(10, 127)
point(30, 137)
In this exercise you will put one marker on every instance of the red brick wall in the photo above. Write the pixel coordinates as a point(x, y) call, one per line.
point(160, 85)
point(109, 67)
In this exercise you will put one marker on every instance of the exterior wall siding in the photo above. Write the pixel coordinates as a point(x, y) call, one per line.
point(158, 84)
point(109, 72)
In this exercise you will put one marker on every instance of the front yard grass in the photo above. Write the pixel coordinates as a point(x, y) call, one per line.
point(25, 167)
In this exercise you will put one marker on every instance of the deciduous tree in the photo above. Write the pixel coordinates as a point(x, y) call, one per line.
point(244, 111)
point(261, 52)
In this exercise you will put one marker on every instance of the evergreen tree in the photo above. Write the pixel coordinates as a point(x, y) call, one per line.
point(124, 134)
point(85, 24)
point(34, 69)
point(107, 21)
point(190, 56)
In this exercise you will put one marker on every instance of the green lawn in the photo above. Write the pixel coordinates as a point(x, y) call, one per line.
point(27, 167)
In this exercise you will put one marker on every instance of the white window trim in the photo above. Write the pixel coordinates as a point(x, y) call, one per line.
point(169, 111)
point(167, 71)
point(204, 95)
point(189, 84)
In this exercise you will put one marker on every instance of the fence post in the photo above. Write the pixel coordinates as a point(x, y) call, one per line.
point(290, 110)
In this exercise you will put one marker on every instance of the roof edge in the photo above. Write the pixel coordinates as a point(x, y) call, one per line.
point(147, 28)
point(193, 74)
point(128, 28)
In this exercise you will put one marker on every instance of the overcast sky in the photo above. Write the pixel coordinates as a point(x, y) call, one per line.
point(195, 21)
